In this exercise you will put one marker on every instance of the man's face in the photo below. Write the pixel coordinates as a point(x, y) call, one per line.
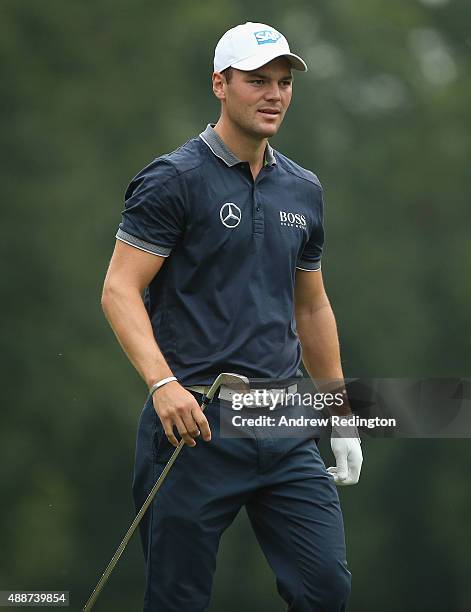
point(256, 101)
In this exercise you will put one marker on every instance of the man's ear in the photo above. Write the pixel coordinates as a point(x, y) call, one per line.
point(219, 85)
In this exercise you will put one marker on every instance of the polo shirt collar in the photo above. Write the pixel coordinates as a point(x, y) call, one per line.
point(220, 149)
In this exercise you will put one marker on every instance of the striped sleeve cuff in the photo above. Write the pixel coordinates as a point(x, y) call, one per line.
point(142, 244)
point(308, 266)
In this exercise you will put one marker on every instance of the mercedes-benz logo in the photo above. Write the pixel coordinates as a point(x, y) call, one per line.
point(230, 215)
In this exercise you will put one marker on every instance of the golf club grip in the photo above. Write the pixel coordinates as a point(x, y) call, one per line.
point(114, 560)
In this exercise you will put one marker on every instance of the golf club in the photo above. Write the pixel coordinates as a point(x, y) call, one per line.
point(234, 381)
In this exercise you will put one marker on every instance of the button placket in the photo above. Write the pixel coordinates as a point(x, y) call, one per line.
point(258, 217)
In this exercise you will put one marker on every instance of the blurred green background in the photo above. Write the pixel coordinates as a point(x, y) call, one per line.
point(90, 93)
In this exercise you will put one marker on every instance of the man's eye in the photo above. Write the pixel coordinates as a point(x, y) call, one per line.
point(257, 81)
point(286, 83)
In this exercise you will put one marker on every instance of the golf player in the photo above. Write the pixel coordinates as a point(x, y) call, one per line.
point(217, 268)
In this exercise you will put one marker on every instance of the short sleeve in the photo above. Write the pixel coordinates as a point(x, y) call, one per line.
point(310, 259)
point(153, 218)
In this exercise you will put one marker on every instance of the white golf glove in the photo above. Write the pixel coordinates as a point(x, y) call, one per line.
point(348, 456)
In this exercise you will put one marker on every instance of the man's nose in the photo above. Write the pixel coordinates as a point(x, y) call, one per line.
point(273, 92)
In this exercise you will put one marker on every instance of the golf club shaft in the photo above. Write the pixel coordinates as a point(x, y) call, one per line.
point(114, 560)
point(207, 399)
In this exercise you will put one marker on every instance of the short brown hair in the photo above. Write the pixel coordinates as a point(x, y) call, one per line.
point(227, 72)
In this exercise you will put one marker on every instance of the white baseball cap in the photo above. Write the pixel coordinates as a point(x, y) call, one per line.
point(251, 45)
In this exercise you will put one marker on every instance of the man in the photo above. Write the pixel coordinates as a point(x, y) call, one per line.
point(225, 237)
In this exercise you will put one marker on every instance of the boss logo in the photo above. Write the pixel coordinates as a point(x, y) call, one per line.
point(293, 219)
point(267, 36)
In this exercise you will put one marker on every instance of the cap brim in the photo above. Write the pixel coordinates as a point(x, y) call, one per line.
point(254, 62)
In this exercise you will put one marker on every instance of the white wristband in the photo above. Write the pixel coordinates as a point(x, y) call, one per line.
point(161, 383)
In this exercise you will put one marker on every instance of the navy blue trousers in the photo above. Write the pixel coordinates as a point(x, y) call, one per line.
point(291, 501)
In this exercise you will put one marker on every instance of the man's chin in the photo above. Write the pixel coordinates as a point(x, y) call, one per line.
point(267, 130)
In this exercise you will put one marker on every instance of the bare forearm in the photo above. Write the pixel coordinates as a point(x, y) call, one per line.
point(319, 341)
point(130, 322)
point(321, 352)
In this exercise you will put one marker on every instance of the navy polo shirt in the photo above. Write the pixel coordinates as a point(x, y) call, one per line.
point(223, 300)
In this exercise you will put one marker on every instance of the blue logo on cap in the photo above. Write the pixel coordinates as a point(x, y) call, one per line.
point(267, 36)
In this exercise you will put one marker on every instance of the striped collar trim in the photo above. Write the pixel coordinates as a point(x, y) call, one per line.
point(220, 149)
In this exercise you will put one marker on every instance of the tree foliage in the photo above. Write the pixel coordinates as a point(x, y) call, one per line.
point(90, 93)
